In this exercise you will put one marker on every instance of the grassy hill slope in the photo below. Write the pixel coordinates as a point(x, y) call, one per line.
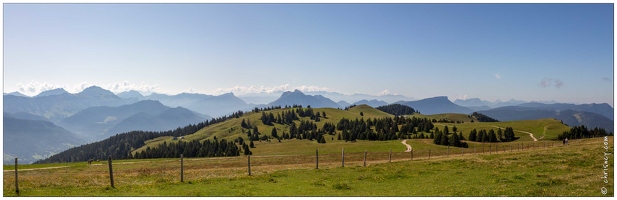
point(231, 129)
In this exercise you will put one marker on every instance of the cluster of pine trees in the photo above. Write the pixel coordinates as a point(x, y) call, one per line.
point(482, 118)
point(491, 136)
point(305, 130)
point(287, 117)
point(191, 149)
point(446, 139)
point(397, 109)
point(578, 132)
point(447, 121)
point(121, 145)
point(310, 113)
point(384, 128)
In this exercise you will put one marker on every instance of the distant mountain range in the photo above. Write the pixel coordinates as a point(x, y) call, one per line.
point(30, 140)
point(436, 105)
point(372, 103)
point(16, 94)
point(480, 104)
point(568, 116)
point(590, 115)
point(215, 106)
point(56, 105)
point(103, 121)
point(95, 113)
point(52, 92)
point(601, 109)
point(298, 98)
point(265, 98)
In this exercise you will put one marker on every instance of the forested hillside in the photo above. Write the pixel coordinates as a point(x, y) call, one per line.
point(121, 145)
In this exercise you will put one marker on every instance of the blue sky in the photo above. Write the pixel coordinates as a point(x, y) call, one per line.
point(532, 52)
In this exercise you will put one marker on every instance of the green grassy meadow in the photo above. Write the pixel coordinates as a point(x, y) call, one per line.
point(287, 168)
point(572, 170)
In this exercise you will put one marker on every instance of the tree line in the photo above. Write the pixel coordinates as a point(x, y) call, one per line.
point(482, 118)
point(397, 109)
point(120, 146)
point(578, 132)
point(193, 148)
point(446, 139)
point(501, 136)
point(384, 128)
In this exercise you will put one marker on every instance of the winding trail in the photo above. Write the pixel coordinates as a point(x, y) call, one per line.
point(408, 146)
point(530, 134)
point(543, 134)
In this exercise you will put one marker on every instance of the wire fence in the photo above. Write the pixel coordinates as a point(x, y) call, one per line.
point(124, 172)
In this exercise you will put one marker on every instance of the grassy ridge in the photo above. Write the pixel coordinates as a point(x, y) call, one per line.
point(231, 129)
point(572, 170)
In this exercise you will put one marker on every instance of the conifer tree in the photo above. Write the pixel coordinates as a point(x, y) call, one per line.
point(274, 133)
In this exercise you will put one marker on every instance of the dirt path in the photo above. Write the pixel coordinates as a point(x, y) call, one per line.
point(543, 134)
point(408, 146)
point(530, 134)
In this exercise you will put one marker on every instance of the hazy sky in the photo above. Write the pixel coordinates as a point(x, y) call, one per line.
point(532, 52)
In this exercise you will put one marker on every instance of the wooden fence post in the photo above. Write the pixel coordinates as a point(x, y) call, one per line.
point(390, 156)
point(16, 182)
point(111, 172)
point(364, 158)
point(343, 158)
point(181, 168)
point(249, 164)
point(316, 159)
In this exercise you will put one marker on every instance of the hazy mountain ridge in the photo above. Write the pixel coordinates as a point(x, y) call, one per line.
point(30, 140)
point(100, 122)
point(372, 103)
point(59, 106)
point(298, 98)
point(436, 105)
point(264, 98)
point(52, 92)
point(167, 120)
point(569, 117)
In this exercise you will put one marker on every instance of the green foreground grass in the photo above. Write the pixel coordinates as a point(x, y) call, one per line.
point(573, 170)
